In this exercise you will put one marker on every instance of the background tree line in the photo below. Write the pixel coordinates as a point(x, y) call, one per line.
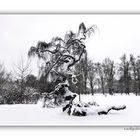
point(67, 58)
point(19, 87)
point(108, 77)
point(105, 77)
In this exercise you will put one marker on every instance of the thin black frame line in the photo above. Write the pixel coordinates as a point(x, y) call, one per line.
point(78, 126)
point(69, 12)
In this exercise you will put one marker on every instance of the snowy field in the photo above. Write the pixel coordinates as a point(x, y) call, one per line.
point(35, 115)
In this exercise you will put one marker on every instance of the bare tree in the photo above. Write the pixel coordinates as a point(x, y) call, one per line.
point(85, 72)
point(3, 75)
point(138, 73)
point(101, 74)
point(134, 73)
point(61, 55)
point(21, 71)
point(4, 79)
point(125, 74)
point(109, 71)
point(91, 75)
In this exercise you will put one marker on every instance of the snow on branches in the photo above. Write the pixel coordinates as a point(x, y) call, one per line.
point(63, 52)
point(117, 108)
point(60, 56)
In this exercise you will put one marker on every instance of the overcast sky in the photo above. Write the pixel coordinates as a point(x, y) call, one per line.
point(117, 34)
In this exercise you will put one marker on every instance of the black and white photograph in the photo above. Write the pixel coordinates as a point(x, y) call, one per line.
point(69, 69)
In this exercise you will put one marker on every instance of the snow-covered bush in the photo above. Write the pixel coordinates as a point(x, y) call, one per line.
point(56, 96)
point(10, 93)
point(79, 111)
point(82, 108)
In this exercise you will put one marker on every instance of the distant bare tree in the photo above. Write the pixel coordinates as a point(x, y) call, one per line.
point(85, 68)
point(4, 78)
point(109, 71)
point(134, 73)
point(125, 74)
point(138, 74)
point(101, 74)
point(21, 71)
point(3, 75)
point(91, 75)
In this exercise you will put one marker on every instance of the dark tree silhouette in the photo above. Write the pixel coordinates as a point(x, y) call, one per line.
point(31, 81)
point(101, 81)
point(60, 58)
point(125, 74)
point(61, 55)
point(92, 75)
point(109, 71)
point(134, 73)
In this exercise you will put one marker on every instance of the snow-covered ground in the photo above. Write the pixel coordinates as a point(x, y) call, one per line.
point(35, 115)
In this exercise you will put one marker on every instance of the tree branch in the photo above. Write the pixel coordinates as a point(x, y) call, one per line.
point(105, 112)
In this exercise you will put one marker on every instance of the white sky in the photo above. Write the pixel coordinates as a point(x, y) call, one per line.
point(118, 34)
